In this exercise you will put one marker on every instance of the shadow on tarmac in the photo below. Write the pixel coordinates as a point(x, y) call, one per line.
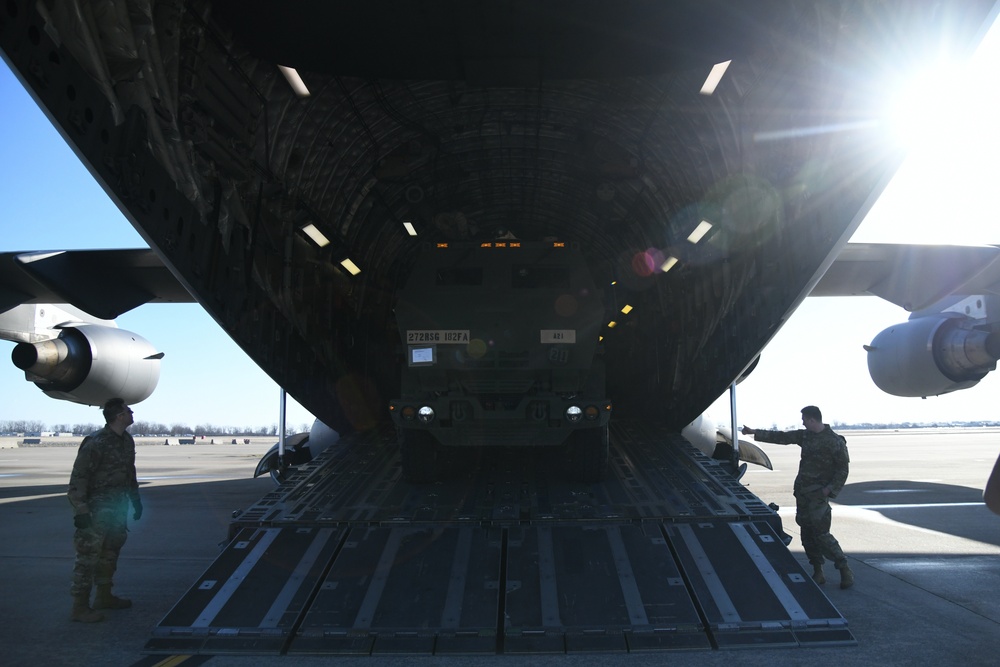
point(944, 508)
point(179, 536)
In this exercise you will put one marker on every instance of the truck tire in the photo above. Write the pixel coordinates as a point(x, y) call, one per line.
point(419, 453)
point(588, 454)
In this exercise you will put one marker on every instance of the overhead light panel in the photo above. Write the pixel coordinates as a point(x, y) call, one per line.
point(410, 229)
point(699, 232)
point(612, 324)
point(317, 236)
point(714, 77)
point(626, 309)
point(295, 81)
point(351, 267)
point(669, 264)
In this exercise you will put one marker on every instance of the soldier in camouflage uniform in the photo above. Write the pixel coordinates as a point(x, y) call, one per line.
point(100, 488)
point(823, 469)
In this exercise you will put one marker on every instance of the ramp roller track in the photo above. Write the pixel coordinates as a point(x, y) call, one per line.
point(506, 556)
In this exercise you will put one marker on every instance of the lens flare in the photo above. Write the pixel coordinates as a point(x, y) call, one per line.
point(645, 263)
point(476, 348)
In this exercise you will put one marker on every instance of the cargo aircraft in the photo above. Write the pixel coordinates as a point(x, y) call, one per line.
point(286, 163)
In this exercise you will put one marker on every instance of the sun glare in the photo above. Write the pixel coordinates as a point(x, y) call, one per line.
point(945, 117)
point(924, 107)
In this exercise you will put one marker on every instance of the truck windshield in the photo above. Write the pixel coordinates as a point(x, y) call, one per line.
point(526, 276)
point(465, 276)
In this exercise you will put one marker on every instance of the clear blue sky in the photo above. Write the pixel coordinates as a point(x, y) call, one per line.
point(943, 194)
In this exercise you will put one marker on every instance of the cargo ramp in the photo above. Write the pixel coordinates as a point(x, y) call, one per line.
point(507, 556)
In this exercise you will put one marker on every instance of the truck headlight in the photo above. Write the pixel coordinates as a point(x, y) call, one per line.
point(425, 414)
point(591, 412)
point(573, 414)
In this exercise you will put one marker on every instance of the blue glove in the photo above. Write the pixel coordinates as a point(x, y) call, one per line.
point(137, 504)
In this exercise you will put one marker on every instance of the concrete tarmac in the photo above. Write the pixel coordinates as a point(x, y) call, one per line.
point(923, 547)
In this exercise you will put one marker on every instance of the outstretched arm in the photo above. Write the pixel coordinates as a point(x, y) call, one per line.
point(775, 437)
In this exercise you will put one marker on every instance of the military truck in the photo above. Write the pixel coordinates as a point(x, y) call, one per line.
point(501, 343)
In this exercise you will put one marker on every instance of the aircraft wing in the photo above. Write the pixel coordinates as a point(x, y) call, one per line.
point(104, 283)
point(913, 277)
point(697, 154)
point(107, 283)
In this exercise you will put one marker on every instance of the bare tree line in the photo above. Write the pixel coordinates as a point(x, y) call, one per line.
point(148, 428)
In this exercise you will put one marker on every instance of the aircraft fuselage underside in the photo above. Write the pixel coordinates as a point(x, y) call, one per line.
point(346, 558)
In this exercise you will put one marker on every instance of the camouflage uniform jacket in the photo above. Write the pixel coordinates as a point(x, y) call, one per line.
point(104, 470)
point(824, 460)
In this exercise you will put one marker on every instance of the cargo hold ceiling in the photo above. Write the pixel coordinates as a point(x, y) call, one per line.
point(578, 120)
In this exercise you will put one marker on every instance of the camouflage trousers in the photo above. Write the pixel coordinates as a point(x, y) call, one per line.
point(97, 547)
point(813, 514)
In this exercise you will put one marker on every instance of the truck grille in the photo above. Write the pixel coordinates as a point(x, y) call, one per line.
point(479, 386)
point(518, 436)
point(493, 359)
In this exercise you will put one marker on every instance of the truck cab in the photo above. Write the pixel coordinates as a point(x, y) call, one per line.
point(501, 344)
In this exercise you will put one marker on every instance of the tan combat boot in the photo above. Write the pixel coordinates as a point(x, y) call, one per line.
point(818, 575)
point(846, 576)
point(82, 613)
point(105, 600)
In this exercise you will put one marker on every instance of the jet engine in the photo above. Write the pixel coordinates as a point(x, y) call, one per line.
point(90, 363)
point(932, 355)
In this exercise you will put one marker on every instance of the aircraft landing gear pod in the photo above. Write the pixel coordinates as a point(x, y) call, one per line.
point(300, 448)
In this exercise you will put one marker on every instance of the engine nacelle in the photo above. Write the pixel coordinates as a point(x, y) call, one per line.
point(90, 363)
point(932, 355)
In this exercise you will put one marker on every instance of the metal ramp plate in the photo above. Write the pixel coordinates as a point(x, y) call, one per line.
point(413, 589)
point(670, 553)
point(250, 598)
point(751, 591)
point(607, 587)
